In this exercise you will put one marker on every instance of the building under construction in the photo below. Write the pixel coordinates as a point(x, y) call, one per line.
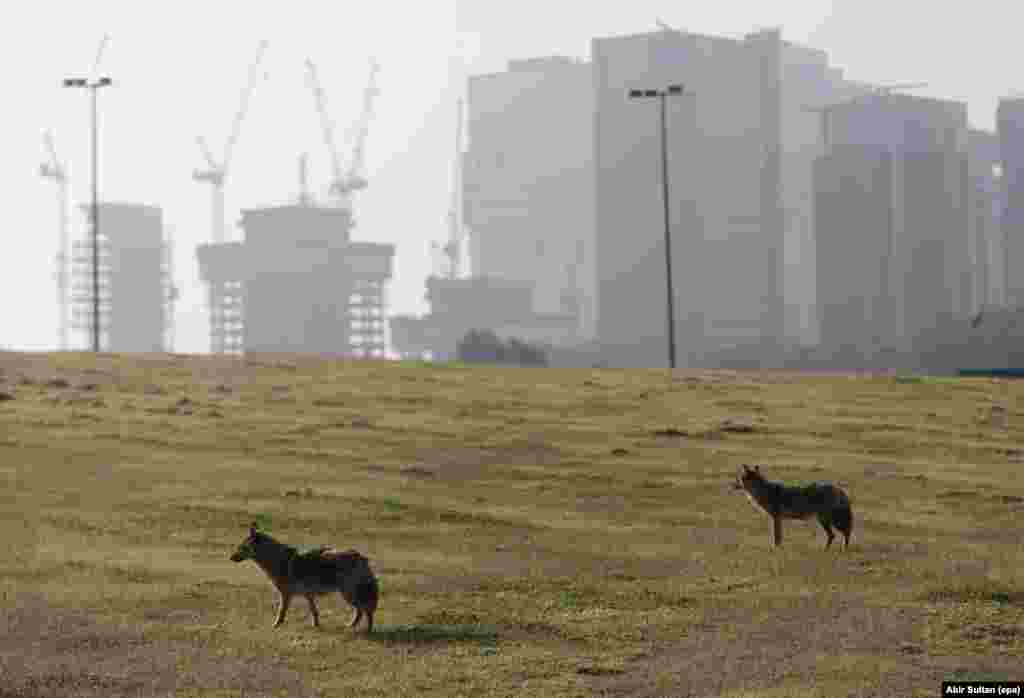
point(297, 283)
point(136, 289)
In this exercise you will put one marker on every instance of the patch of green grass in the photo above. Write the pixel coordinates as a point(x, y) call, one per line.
point(392, 505)
point(973, 592)
point(568, 600)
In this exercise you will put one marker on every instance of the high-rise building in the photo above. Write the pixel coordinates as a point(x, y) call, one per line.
point(740, 149)
point(1010, 120)
point(297, 283)
point(894, 221)
point(136, 291)
point(985, 169)
point(528, 182)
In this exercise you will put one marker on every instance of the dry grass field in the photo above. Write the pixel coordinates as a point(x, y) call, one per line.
point(536, 532)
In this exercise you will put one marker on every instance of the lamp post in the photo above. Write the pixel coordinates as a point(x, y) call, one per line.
point(92, 86)
point(661, 95)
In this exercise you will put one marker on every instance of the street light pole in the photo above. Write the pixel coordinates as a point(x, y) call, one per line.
point(673, 90)
point(95, 208)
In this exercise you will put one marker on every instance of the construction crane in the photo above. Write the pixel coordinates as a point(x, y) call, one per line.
point(218, 172)
point(344, 183)
point(304, 197)
point(54, 170)
point(327, 126)
point(171, 291)
point(453, 248)
point(356, 177)
point(870, 91)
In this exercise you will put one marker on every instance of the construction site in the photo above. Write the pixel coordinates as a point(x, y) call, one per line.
point(136, 280)
point(810, 213)
point(296, 281)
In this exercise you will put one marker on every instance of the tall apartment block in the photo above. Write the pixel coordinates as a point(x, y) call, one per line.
point(741, 144)
point(985, 167)
point(297, 283)
point(136, 289)
point(1010, 124)
point(528, 182)
point(894, 222)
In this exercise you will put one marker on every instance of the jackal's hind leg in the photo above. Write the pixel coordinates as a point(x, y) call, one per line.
point(826, 523)
point(777, 531)
point(286, 600)
point(313, 610)
point(358, 616)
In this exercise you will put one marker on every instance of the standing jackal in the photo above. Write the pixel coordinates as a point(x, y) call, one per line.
point(319, 571)
point(822, 499)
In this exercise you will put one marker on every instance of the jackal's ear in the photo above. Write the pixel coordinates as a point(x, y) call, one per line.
point(757, 469)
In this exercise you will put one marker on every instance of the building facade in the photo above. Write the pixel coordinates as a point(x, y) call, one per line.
point(895, 223)
point(1010, 120)
point(528, 182)
point(297, 283)
point(136, 291)
point(985, 174)
point(740, 150)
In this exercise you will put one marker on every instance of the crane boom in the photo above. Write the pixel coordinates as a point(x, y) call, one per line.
point(99, 56)
point(55, 170)
point(453, 248)
point(326, 124)
point(243, 108)
point(206, 152)
point(217, 173)
point(54, 165)
point(354, 179)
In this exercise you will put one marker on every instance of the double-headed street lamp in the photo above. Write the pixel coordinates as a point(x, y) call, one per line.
point(661, 95)
point(92, 86)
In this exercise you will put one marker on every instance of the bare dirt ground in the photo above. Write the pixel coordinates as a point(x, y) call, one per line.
point(536, 532)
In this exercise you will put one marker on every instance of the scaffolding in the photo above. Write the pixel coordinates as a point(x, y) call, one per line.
point(170, 288)
point(297, 283)
point(82, 289)
point(136, 287)
point(226, 317)
point(367, 325)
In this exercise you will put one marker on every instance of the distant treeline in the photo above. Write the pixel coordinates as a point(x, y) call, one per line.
point(485, 347)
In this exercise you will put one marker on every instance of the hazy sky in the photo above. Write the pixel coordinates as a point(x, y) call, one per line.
point(180, 66)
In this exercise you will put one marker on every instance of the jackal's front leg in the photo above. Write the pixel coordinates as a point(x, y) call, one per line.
point(777, 531)
point(285, 601)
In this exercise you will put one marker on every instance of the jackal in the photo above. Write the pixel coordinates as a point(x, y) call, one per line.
point(822, 499)
point(319, 571)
